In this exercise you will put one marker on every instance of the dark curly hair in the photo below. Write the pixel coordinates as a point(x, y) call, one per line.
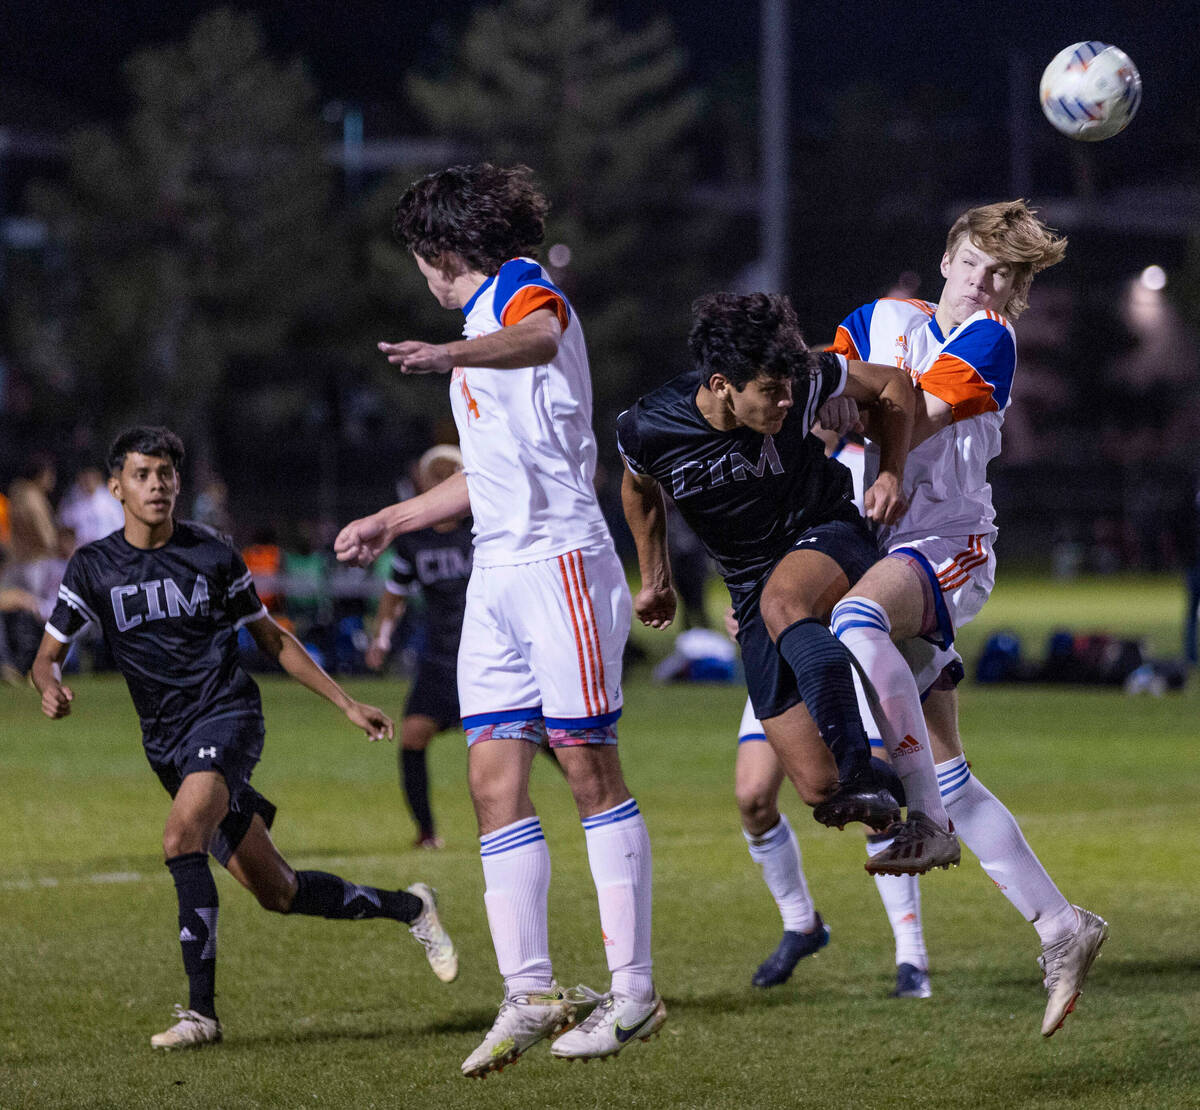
point(743, 337)
point(485, 214)
point(159, 443)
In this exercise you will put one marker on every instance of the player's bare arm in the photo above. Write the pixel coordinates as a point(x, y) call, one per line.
point(391, 611)
point(362, 541)
point(642, 498)
point(283, 647)
point(46, 675)
point(531, 341)
point(888, 393)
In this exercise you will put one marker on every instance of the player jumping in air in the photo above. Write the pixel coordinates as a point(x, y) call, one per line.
point(940, 569)
point(548, 607)
point(730, 441)
point(169, 598)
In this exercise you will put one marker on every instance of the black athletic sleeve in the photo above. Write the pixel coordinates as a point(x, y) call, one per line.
point(241, 599)
point(629, 441)
point(74, 608)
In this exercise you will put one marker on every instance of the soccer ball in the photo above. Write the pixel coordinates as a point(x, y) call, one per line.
point(1090, 91)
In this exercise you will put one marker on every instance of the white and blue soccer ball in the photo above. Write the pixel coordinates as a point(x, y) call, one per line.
point(1090, 91)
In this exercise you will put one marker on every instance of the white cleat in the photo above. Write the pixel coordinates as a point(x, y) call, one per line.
point(191, 1031)
point(613, 1024)
point(522, 1021)
point(1066, 963)
point(427, 928)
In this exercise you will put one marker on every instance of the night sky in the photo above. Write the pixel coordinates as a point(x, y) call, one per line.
point(62, 61)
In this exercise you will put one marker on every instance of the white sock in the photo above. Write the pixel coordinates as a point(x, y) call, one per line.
point(901, 898)
point(777, 852)
point(865, 629)
point(516, 875)
point(986, 827)
point(618, 848)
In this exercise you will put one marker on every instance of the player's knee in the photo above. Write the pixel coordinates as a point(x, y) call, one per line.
point(181, 839)
point(779, 610)
point(757, 807)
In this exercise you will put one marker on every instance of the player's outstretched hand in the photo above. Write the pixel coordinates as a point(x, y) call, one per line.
point(885, 502)
point(655, 606)
point(56, 701)
point(415, 357)
point(374, 722)
point(362, 541)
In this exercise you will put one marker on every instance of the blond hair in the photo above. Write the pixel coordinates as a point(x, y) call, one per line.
point(1010, 232)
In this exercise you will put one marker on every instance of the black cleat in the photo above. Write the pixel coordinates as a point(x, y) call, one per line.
point(863, 798)
point(777, 968)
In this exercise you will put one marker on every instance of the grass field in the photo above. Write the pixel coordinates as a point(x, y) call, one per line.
point(323, 1013)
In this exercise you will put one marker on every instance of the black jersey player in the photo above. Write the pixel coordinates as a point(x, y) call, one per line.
point(169, 597)
point(730, 441)
point(437, 562)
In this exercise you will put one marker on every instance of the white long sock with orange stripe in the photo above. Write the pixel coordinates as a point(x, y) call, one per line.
point(863, 627)
point(901, 898)
point(987, 827)
point(618, 848)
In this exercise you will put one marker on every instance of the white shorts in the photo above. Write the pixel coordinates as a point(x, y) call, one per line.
point(961, 572)
point(545, 639)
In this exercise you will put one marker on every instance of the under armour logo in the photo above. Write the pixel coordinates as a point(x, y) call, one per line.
point(207, 753)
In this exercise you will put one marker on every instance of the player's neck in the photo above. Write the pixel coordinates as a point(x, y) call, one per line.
point(147, 537)
point(715, 411)
point(467, 284)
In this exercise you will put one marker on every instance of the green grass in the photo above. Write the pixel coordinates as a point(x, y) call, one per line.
point(347, 1014)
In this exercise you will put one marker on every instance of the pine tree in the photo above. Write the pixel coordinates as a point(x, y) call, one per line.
point(602, 117)
point(194, 235)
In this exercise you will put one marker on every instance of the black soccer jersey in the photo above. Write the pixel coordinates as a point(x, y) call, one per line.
point(170, 617)
point(746, 495)
point(438, 564)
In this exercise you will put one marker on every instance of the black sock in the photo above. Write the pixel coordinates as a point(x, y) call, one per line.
point(415, 778)
point(320, 894)
point(197, 894)
point(822, 670)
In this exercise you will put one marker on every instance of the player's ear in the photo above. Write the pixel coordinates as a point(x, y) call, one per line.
point(114, 487)
point(718, 384)
point(945, 265)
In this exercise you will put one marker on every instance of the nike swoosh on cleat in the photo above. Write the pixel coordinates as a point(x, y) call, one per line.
point(624, 1034)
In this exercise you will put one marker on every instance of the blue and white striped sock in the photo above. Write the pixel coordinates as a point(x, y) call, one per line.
point(618, 848)
point(984, 825)
point(516, 873)
point(777, 852)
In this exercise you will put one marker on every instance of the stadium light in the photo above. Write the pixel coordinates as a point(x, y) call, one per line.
point(1153, 278)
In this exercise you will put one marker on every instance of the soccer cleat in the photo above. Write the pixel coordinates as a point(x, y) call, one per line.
point(863, 798)
point(522, 1022)
point(1066, 963)
point(777, 968)
point(614, 1023)
point(918, 845)
point(429, 843)
point(428, 929)
point(191, 1031)
point(911, 982)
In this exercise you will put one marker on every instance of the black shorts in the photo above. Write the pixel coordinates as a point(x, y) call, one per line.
point(769, 679)
point(233, 746)
point(434, 693)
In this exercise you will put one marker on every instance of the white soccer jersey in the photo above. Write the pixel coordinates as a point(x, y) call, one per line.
point(971, 369)
point(529, 453)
